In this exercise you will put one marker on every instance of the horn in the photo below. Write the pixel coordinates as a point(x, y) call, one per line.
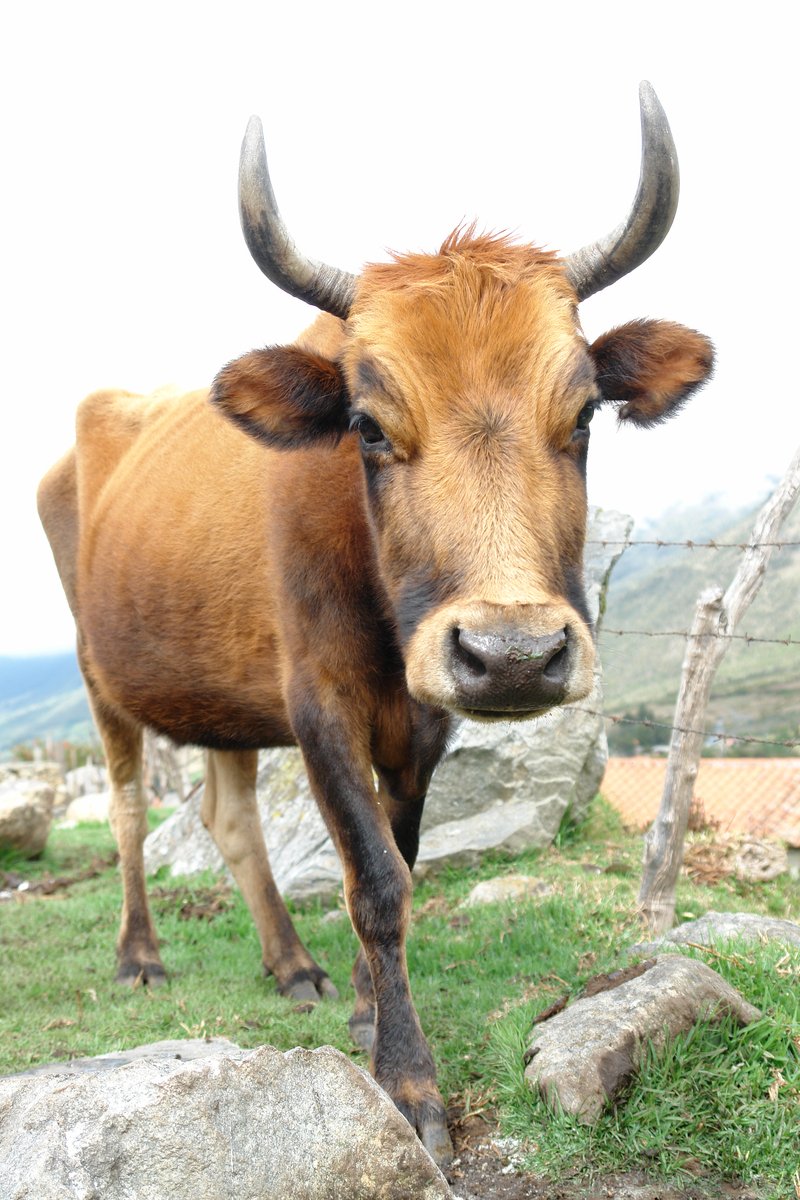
point(601, 263)
point(269, 240)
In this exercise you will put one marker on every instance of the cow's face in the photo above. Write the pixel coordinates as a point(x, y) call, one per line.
point(468, 382)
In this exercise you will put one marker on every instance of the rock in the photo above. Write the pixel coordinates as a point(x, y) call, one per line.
point(185, 1049)
point(89, 807)
point(305, 1125)
point(759, 860)
point(26, 812)
point(581, 1057)
point(717, 927)
point(505, 888)
point(301, 854)
point(86, 780)
point(501, 787)
point(43, 772)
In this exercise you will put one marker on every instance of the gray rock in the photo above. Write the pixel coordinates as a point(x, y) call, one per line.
point(304, 1125)
point(301, 853)
point(44, 772)
point(185, 1049)
point(90, 807)
point(759, 860)
point(501, 787)
point(26, 813)
point(505, 888)
point(581, 1057)
point(86, 780)
point(717, 927)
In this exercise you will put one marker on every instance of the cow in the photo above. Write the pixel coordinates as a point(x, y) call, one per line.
point(346, 544)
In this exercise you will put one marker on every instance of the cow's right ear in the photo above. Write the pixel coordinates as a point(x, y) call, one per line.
point(283, 396)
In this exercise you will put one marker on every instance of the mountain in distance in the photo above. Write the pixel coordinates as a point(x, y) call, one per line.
point(756, 691)
point(43, 696)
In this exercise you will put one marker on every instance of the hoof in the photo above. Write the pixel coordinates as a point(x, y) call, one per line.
point(135, 974)
point(429, 1120)
point(362, 1030)
point(309, 987)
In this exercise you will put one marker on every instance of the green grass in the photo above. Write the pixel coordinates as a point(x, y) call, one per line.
point(719, 1102)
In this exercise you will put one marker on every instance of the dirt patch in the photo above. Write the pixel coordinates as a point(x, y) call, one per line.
point(195, 904)
point(486, 1167)
point(14, 886)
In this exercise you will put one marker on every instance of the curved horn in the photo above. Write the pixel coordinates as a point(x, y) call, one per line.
point(269, 240)
point(595, 266)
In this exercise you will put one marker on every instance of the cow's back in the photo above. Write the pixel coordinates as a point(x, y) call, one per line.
point(166, 565)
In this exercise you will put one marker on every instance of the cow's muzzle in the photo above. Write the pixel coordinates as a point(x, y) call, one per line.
point(493, 662)
point(507, 673)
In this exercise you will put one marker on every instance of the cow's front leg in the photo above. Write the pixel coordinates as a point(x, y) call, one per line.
point(404, 810)
point(377, 885)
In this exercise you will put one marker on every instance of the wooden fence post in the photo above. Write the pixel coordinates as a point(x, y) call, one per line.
point(715, 621)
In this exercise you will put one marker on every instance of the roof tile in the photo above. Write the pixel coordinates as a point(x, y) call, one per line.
point(759, 796)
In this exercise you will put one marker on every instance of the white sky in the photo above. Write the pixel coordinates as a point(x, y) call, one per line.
point(123, 263)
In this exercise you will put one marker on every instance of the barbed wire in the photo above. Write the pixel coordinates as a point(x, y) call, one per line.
point(685, 633)
point(648, 723)
point(689, 544)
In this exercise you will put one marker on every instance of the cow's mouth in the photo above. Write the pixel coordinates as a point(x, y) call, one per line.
point(500, 714)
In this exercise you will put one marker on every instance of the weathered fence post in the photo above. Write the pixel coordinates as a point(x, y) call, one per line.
point(716, 618)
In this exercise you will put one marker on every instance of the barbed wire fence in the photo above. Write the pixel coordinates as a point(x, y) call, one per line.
point(689, 544)
point(604, 631)
point(717, 615)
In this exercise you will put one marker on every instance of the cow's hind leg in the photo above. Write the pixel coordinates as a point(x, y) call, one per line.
point(230, 813)
point(138, 958)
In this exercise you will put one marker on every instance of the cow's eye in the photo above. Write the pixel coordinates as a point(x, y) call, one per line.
point(372, 436)
point(585, 416)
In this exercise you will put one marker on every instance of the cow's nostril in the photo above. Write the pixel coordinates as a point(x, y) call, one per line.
point(465, 647)
point(556, 667)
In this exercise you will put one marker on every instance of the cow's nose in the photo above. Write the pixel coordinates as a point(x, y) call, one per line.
point(513, 671)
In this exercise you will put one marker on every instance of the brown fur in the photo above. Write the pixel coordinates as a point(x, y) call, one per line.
point(311, 584)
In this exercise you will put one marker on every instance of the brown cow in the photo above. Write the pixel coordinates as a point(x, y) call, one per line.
point(396, 537)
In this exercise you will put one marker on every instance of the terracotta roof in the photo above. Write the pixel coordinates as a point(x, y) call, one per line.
point(759, 796)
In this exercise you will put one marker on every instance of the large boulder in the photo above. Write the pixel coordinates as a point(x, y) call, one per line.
point(305, 1125)
point(501, 786)
point(26, 813)
point(301, 853)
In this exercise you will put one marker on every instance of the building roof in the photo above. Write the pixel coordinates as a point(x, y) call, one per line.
point(759, 796)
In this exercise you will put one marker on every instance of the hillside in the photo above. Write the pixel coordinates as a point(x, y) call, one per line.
point(42, 697)
point(757, 689)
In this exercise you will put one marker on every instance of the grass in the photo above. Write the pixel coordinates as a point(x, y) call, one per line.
point(719, 1102)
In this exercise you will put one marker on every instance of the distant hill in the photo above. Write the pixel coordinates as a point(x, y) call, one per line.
point(42, 697)
point(757, 689)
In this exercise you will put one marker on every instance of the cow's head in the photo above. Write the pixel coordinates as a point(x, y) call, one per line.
point(469, 383)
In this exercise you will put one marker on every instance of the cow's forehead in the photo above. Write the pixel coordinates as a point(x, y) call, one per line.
point(471, 325)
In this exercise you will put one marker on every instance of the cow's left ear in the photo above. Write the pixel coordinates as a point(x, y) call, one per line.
point(283, 396)
point(651, 368)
